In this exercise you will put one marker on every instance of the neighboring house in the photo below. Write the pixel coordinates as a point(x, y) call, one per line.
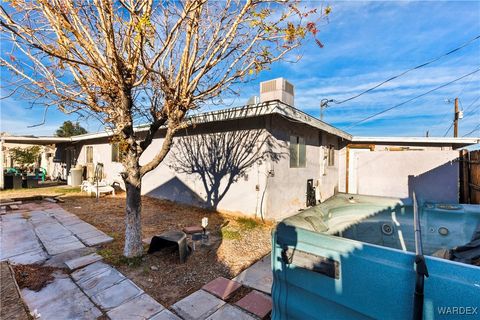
point(45, 159)
point(269, 159)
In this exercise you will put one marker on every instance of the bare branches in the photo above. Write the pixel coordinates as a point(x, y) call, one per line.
point(143, 60)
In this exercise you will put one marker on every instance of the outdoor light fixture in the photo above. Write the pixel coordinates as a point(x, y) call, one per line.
point(205, 234)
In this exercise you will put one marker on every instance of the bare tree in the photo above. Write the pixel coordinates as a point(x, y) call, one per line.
point(127, 62)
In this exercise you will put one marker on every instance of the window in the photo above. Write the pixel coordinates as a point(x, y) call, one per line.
point(89, 154)
point(297, 152)
point(331, 155)
point(117, 156)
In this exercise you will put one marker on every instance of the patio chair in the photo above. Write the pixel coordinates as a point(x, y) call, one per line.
point(103, 187)
point(99, 185)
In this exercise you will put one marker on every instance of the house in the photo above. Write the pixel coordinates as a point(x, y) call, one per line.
point(45, 156)
point(269, 160)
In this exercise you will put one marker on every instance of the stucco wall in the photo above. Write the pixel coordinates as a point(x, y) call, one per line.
point(172, 181)
point(433, 175)
point(286, 191)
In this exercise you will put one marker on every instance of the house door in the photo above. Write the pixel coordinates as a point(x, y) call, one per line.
point(70, 159)
point(352, 165)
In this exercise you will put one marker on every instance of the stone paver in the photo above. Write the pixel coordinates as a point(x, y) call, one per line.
point(141, 307)
point(230, 312)
point(90, 271)
point(116, 295)
point(83, 261)
point(59, 260)
point(101, 239)
point(198, 305)
point(258, 276)
point(30, 257)
point(18, 242)
point(61, 299)
point(256, 303)
point(222, 287)
point(101, 281)
point(165, 315)
point(62, 245)
point(82, 228)
point(51, 231)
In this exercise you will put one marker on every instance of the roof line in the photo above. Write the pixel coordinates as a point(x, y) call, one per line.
point(451, 140)
point(249, 111)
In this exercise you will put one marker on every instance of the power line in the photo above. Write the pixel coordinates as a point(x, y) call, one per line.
point(471, 104)
point(471, 111)
point(411, 99)
point(464, 86)
point(409, 70)
point(474, 129)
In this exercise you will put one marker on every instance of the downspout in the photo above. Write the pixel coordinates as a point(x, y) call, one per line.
point(347, 156)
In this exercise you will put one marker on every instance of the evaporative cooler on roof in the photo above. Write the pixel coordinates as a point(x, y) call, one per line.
point(277, 89)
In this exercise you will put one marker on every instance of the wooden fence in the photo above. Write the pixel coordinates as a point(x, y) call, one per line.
point(470, 176)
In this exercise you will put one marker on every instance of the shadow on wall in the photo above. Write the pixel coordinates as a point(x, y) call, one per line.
point(439, 184)
point(220, 159)
point(177, 191)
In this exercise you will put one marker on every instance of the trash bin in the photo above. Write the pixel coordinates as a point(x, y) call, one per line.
point(76, 177)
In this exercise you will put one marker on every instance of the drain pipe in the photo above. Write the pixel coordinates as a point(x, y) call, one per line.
point(421, 266)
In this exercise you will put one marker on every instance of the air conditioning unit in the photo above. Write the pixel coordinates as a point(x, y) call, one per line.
point(277, 89)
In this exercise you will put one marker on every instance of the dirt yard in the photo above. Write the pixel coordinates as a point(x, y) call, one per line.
point(236, 242)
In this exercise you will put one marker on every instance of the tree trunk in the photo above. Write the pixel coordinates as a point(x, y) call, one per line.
point(133, 221)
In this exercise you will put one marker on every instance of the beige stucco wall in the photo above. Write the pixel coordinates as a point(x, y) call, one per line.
point(432, 174)
point(286, 191)
point(244, 195)
point(268, 189)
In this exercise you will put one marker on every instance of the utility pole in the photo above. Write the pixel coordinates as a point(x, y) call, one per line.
point(455, 121)
point(323, 106)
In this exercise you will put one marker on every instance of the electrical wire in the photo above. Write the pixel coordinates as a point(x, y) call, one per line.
point(448, 130)
point(474, 129)
point(411, 99)
point(471, 104)
point(409, 70)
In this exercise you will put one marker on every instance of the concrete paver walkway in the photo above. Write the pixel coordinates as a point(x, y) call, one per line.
point(45, 233)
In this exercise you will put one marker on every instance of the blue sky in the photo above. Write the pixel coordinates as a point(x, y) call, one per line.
point(365, 43)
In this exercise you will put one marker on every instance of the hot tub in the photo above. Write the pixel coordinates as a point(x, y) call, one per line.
point(352, 257)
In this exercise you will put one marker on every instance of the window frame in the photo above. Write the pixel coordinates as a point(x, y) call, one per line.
point(119, 155)
point(87, 148)
point(298, 151)
point(331, 155)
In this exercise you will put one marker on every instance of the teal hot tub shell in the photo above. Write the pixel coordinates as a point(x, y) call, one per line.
point(352, 257)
